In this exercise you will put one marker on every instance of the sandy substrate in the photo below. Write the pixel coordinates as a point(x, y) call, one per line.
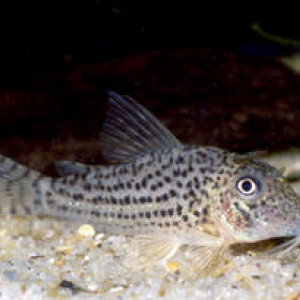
point(44, 258)
point(53, 259)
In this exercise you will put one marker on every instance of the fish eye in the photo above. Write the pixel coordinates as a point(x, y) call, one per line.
point(248, 186)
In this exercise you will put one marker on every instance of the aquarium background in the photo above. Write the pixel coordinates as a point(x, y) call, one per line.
point(213, 72)
point(199, 66)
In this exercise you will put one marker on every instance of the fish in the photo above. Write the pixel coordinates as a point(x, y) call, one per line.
point(164, 194)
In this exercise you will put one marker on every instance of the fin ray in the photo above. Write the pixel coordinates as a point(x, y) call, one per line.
point(16, 189)
point(200, 261)
point(130, 131)
point(66, 167)
point(151, 250)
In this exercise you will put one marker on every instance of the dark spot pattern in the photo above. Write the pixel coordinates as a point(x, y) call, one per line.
point(162, 189)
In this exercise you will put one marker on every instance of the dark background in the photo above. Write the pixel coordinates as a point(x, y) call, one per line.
point(197, 65)
point(43, 36)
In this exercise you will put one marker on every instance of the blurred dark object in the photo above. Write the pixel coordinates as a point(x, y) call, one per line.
point(38, 37)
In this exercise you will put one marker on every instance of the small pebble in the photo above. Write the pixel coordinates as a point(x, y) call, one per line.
point(294, 296)
point(86, 230)
point(171, 266)
point(59, 263)
point(86, 258)
point(3, 232)
point(93, 287)
point(69, 285)
point(98, 239)
point(11, 275)
point(51, 260)
point(33, 255)
point(64, 249)
point(117, 289)
point(49, 234)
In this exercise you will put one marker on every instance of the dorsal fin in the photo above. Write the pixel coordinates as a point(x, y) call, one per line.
point(66, 167)
point(130, 130)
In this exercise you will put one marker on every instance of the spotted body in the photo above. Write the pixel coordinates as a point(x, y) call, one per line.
point(163, 193)
point(161, 190)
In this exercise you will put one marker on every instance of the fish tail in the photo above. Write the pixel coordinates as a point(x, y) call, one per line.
point(17, 188)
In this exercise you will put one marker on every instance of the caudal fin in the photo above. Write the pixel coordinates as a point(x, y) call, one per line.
point(17, 191)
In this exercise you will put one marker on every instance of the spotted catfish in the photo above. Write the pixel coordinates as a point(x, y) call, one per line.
point(165, 194)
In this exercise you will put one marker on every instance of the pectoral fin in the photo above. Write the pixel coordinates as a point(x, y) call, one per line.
point(147, 251)
point(199, 260)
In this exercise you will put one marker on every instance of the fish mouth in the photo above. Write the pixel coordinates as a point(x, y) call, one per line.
point(288, 239)
point(284, 248)
point(291, 241)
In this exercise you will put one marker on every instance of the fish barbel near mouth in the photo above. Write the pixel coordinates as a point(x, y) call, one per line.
point(163, 193)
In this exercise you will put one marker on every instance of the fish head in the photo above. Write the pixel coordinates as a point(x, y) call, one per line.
point(255, 202)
